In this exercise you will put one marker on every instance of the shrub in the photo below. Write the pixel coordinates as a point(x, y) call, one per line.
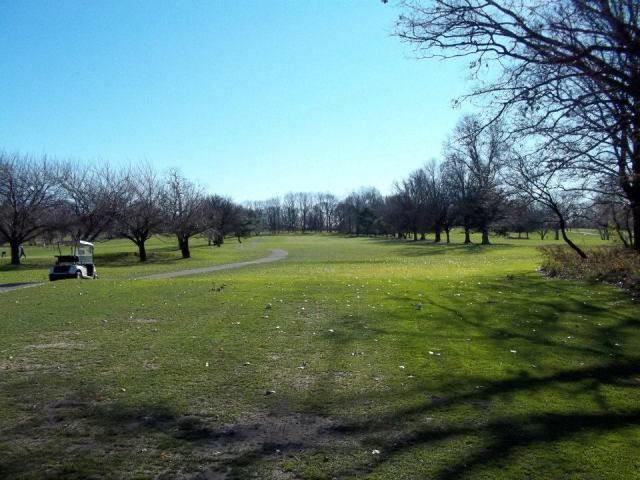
point(616, 265)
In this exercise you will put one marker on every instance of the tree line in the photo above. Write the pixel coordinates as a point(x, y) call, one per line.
point(478, 185)
point(563, 79)
point(47, 199)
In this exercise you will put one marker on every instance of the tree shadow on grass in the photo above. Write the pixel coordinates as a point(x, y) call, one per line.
point(410, 248)
point(467, 421)
point(27, 266)
point(507, 434)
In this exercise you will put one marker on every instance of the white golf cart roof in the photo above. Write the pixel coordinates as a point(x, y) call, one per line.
point(76, 242)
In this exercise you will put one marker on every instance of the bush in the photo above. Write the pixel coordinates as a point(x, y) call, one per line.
point(615, 265)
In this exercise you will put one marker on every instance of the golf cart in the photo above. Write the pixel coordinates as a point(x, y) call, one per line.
point(78, 264)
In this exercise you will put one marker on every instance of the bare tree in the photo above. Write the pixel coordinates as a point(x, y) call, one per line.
point(328, 202)
point(221, 216)
point(273, 212)
point(411, 194)
point(569, 71)
point(290, 211)
point(182, 202)
point(438, 201)
point(612, 212)
point(458, 182)
point(545, 186)
point(93, 195)
point(140, 215)
point(304, 203)
point(29, 194)
point(476, 155)
point(394, 215)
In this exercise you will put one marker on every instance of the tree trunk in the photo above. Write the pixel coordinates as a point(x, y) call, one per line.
point(142, 251)
point(446, 232)
point(485, 236)
point(15, 253)
point(183, 243)
point(569, 242)
point(557, 234)
point(437, 239)
point(467, 235)
point(636, 227)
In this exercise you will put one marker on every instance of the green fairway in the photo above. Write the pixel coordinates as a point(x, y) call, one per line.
point(350, 358)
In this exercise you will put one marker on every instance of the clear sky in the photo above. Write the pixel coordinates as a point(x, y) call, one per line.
point(251, 98)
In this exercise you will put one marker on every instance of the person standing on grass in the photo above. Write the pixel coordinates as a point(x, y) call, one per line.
point(22, 254)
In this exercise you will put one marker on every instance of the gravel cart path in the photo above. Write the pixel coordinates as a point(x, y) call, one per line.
point(7, 287)
point(274, 257)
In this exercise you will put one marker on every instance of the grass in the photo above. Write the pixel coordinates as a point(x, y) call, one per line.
point(117, 259)
point(377, 359)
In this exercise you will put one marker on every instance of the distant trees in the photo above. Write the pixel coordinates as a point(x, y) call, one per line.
point(481, 185)
point(220, 218)
point(304, 203)
point(360, 212)
point(52, 199)
point(477, 155)
point(439, 201)
point(30, 193)
point(290, 212)
point(327, 203)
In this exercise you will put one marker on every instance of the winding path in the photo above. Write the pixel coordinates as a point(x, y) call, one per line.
point(274, 257)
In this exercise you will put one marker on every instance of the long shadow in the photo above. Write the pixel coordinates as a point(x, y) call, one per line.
point(412, 248)
point(27, 266)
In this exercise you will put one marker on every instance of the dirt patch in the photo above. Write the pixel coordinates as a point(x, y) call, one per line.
point(264, 437)
point(303, 382)
point(191, 445)
point(146, 321)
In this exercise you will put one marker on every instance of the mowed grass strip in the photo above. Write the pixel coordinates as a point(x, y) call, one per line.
point(349, 358)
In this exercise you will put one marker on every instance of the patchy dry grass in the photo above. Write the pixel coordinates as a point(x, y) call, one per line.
point(618, 266)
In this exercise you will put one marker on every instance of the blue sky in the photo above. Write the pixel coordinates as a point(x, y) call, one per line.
point(251, 98)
